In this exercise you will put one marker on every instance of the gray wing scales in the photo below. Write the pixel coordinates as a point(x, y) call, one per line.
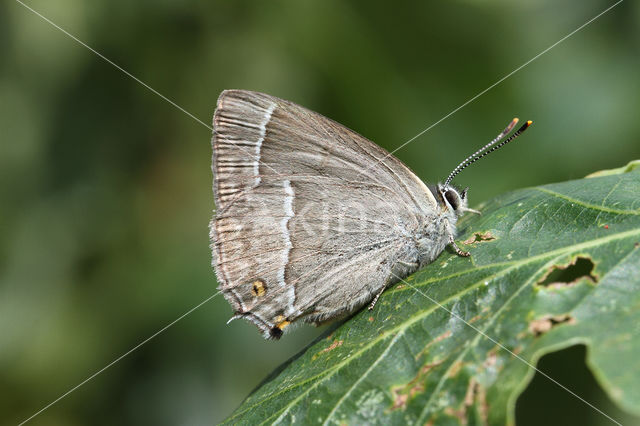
point(307, 224)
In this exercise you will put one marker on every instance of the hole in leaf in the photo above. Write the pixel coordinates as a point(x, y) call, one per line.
point(547, 322)
point(580, 267)
point(479, 237)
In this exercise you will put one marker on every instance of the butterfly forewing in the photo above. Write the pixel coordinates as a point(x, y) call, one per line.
point(311, 217)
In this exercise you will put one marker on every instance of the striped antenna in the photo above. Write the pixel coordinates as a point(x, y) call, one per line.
point(488, 148)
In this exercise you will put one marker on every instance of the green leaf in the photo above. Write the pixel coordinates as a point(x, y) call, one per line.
point(550, 267)
point(632, 165)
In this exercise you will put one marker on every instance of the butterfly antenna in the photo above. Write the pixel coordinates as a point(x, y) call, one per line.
point(489, 148)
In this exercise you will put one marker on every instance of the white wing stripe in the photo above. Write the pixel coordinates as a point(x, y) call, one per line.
point(263, 132)
point(284, 225)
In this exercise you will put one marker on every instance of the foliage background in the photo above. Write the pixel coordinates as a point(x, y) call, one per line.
point(106, 189)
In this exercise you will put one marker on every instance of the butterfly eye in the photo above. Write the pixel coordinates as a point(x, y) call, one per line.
point(453, 198)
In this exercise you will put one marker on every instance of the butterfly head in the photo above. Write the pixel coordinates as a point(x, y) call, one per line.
point(453, 200)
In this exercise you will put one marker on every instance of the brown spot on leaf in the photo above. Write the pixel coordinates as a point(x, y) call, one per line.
point(559, 276)
point(483, 407)
point(492, 359)
point(636, 245)
point(471, 388)
point(439, 338)
point(474, 319)
point(455, 368)
point(542, 325)
point(370, 319)
point(460, 414)
point(400, 401)
point(443, 336)
point(479, 237)
point(402, 394)
point(475, 394)
point(522, 335)
point(400, 286)
point(335, 344)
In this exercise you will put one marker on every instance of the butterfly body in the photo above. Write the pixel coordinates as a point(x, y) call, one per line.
point(313, 220)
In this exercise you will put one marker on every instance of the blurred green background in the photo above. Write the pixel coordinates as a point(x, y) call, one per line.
point(105, 188)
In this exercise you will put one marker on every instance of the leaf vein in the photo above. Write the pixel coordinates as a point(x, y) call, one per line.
point(588, 205)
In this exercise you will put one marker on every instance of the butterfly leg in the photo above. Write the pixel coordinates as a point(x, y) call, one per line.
point(408, 267)
point(456, 248)
point(452, 241)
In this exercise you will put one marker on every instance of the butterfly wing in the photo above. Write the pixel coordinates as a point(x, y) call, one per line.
point(311, 218)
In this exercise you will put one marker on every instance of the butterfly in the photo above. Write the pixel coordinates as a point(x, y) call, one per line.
point(314, 221)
